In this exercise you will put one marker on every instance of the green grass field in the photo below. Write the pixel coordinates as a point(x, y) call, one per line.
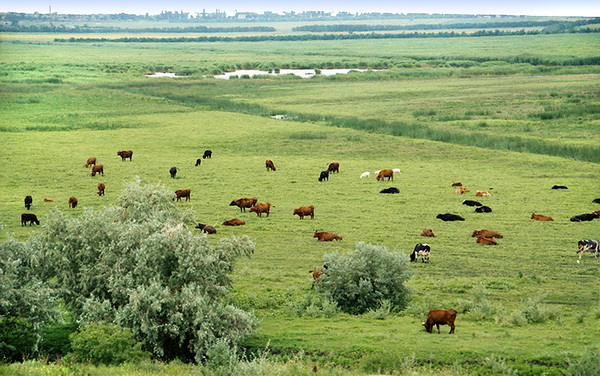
point(60, 106)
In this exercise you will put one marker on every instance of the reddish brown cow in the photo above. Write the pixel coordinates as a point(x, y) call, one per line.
point(387, 173)
point(98, 169)
point(428, 232)
point(305, 210)
point(326, 236)
point(244, 203)
point(124, 154)
point(457, 184)
point(486, 234)
point(90, 161)
point(234, 222)
point(182, 193)
point(48, 200)
point(101, 188)
point(486, 241)
point(482, 193)
point(439, 317)
point(73, 202)
point(270, 165)
point(317, 272)
point(334, 167)
point(539, 217)
point(263, 207)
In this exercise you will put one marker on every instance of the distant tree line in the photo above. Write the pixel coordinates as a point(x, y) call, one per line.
point(106, 29)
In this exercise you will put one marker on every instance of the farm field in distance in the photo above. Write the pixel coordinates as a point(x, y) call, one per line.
point(64, 102)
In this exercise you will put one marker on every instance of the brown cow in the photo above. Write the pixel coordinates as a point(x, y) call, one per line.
point(208, 229)
point(334, 167)
point(90, 161)
point(318, 271)
point(461, 190)
point(387, 173)
point(124, 154)
point(305, 210)
point(457, 184)
point(182, 193)
point(101, 187)
point(539, 217)
point(486, 234)
point(270, 165)
point(439, 317)
point(326, 236)
point(244, 203)
point(234, 222)
point(98, 169)
point(73, 202)
point(48, 200)
point(428, 232)
point(486, 241)
point(482, 193)
point(263, 207)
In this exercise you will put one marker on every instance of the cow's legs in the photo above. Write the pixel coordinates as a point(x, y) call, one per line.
point(438, 328)
point(451, 329)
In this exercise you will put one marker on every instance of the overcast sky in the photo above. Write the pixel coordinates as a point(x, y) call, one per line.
point(588, 8)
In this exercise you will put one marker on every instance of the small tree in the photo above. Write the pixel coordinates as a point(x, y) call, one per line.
point(365, 278)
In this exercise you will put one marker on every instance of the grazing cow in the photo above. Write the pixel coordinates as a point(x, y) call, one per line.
point(449, 217)
point(173, 172)
point(482, 193)
point(29, 217)
point(588, 245)
point(559, 187)
point(182, 193)
point(439, 317)
point(48, 200)
point(486, 234)
point(263, 207)
point(486, 241)
point(366, 174)
point(457, 184)
point(98, 169)
point(428, 233)
point(539, 217)
point(206, 228)
point(207, 154)
point(387, 173)
point(124, 154)
point(244, 203)
point(198, 162)
point(28, 202)
point(596, 201)
point(584, 217)
point(305, 210)
point(234, 222)
point(461, 190)
point(390, 190)
point(73, 202)
point(421, 250)
point(270, 166)
point(471, 203)
point(396, 170)
point(90, 161)
point(483, 209)
point(333, 167)
point(323, 236)
point(101, 187)
point(324, 176)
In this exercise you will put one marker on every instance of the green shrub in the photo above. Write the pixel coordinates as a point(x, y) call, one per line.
point(361, 280)
point(589, 364)
point(534, 311)
point(479, 306)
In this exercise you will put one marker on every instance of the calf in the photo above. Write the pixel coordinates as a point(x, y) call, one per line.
point(206, 228)
point(324, 176)
point(462, 190)
point(318, 272)
point(234, 222)
point(270, 166)
point(207, 154)
point(439, 317)
point(101, 187)
point(396, 170)
point(584, 217)
point(98, 169)
point(305, 210)
point(457, 184)
point(173, 172)
point(244, 203)
point(48, 200)
point(421, 250)
point(588, 245)
point(449, 217)
point(263, 207)
point(472, 203)
point(90, 161)
point(539, 217)
point(387, 173)
point(182, 193)
point(486, 241)
point(365, 174)
point(483, 209)
point(482, 193)
point(28, 201)
point(198, 162)
point(73, 202)
point(333, 167)
point(390, 190)
point(559, 187)
point(124, 154)
point(29, 217)
point(486, 234)
point(326, 236)
point(428, 233)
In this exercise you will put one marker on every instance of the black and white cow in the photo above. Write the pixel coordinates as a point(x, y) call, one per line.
point(584, 217)
point(588, 245)
point(421, 250)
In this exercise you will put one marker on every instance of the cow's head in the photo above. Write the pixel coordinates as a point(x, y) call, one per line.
point(427, 326)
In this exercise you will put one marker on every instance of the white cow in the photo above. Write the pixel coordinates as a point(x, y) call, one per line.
point(365, 174)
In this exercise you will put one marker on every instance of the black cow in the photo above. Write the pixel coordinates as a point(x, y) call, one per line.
point(207, 154)
point(421, 250)
point(173, 172)
point(483, 209)
point(588, 245)
point(198, 161)
point(390, 190)
point(324, 176)
point(206, 228)
point(449, 217)
point(584, 217)
point(29, 217)
point(596, 201)
point(559, 187)
point(471, 203)
point(28, 202)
